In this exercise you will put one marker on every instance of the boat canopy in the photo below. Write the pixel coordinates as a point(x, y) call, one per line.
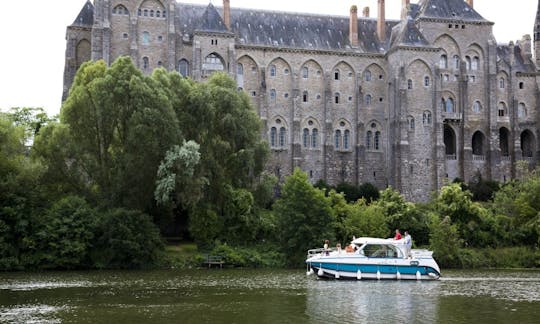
point(372, 240)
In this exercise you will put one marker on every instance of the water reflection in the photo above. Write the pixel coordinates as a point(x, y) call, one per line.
point(371, 301)
point(263, 296)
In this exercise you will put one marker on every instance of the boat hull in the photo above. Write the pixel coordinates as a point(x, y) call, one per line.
point(373, 269)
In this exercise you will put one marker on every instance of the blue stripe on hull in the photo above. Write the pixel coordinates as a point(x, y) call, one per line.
point(367, 268)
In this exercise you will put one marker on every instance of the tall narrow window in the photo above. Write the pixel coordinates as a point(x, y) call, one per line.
point(273, 137)
point(337, 139)
point(522, 110)
point(377, 141)
point(273, 70)
point(305, 137)
point(146, 62)
point(369, 139)
point(145, 39)
point(409, 84)
point(467, 62)
point(336, 74)
point(183, 68)
point(305, 72)
point(502, 84)
point(443, 63)
point(272, 94)
point(367, 76)
point(346, 139)
point(456, 62)
point(450, 105)
point(477, 107)
point(305, 96)
point(239, 69)
point(314, 136)
point(475, 63)
point(427, 81)
point(282, 135)
point(336, 97)
point(502, 109)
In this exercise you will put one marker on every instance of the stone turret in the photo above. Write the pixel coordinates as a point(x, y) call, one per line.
point(537, 37)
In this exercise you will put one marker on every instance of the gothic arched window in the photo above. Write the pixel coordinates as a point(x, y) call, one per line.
point(337, 139)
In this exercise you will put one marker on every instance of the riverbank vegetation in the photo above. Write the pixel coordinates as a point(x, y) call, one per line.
point(135, 159)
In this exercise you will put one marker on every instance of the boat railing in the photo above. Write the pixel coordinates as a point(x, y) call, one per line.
point(314, 252)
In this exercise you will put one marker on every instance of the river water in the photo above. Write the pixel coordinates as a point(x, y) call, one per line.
point(265, 296)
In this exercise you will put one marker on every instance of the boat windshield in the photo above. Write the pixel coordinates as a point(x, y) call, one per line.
point(380, 251)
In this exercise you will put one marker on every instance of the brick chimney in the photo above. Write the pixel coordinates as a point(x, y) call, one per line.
point(470, 3)
point(405, 8)
point(365, 12)
point(353, 27)
point(227, 13)
point(381, 22)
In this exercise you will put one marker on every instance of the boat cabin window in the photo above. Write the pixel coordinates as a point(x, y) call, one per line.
point(380, 251)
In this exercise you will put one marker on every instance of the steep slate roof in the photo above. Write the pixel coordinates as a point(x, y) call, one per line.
point(285, 29)
point(449, 9)
point(504, 52)
point(406, 33)
point(211, 21)
point(86, 16)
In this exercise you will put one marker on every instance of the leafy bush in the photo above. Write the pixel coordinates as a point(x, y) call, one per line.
point(256, 257)
point(126, 240)
point(65, 235)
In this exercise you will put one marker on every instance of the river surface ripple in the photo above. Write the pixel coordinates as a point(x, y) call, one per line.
point(266, 296)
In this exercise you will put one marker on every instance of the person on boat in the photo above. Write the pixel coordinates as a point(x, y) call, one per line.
point(398, 235)
point(338, 247)
point(408, 244)
point(326, 246)
point(349, 249)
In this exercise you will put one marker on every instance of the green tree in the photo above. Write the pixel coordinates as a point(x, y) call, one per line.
point(32, 119)
point(366, 220)
point(305, 218)
point(445, 241)
point(120, 124)
point(223, 122)
point(403, 215)
point(469, 217)
point(21, 197)
point(519, 201)
point(342, 211)
point(176, 176)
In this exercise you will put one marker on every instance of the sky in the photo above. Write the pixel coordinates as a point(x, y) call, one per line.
point(33, 33)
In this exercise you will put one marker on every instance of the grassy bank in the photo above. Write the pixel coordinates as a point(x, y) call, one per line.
point(187, 255)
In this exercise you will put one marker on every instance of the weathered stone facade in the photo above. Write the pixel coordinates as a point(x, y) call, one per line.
point(410, 103)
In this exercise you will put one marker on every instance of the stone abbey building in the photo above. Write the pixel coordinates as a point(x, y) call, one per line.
point(410, 103)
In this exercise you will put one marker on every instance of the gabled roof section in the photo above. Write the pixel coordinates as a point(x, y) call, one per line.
point(287, 29)
point(86, 16)
point(449, 9)
point(406, 34)
point(211, 21)
point(518, 64)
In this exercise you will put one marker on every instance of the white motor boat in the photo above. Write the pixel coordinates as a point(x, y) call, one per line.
point(374, 258)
